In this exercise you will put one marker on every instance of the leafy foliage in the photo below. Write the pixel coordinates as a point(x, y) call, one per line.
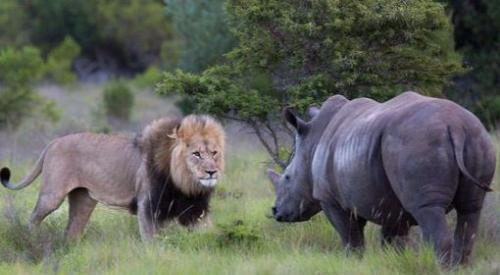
point(203, 30)
point(148, 78)
point(117, 35)
point(60, 60)
point(118, 100)
point(13, 31)
point(135, 30)
point(300, 52)
point(19, 69)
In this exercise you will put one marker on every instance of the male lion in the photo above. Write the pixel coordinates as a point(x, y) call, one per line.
point(168, 172)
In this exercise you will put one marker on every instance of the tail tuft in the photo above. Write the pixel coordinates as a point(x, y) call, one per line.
point(5, 176)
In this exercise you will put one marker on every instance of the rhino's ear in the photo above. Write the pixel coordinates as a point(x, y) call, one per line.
point(312, 111)
point(293, 119)
point(274, 177)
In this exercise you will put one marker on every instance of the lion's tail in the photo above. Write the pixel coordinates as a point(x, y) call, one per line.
point(28, 179)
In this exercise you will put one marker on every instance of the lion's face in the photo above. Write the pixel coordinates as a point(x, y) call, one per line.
point(205, 161)
point(198, 154)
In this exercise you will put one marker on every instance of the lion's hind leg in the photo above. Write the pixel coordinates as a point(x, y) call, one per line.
point(81, 206)
point(47, 203)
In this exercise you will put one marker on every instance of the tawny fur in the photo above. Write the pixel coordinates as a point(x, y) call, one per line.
point(119, 171)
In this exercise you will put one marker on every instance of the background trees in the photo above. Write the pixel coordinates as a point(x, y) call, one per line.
point(119, 37)
point(477, 35)
point(202, 32)
point(245, 60)
point(300, 52)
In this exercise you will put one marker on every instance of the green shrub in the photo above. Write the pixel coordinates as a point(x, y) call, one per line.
point(118, 100)
point(19, 69)
point(237, 233)
point(203, 32)
point(59, 61)
point(149, 78)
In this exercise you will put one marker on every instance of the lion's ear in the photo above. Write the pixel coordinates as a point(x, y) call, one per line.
point(175, 133)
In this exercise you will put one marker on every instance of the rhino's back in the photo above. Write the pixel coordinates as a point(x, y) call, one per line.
point(349, 166)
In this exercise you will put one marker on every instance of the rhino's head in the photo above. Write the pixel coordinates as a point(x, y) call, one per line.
point(294, 200)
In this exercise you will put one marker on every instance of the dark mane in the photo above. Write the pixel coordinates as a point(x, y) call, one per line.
point(167, 199)
point(168, 202)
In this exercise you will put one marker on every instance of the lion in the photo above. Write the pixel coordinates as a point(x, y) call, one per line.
point(167, 172)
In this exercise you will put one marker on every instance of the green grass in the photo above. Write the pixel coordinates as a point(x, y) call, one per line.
point(242, 239)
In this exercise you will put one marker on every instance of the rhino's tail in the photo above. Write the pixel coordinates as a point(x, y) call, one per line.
point(458, 142)
point(28, 179)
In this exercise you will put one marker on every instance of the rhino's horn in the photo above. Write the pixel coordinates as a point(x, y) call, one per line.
point(274, 177)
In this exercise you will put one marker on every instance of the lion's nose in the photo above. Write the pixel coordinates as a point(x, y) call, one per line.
point(210, 172)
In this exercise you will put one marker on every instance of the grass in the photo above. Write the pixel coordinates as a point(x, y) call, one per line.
point(242, 240)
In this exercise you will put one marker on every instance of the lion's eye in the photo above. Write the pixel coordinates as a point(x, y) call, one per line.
point(197, 154)
point(214, 153)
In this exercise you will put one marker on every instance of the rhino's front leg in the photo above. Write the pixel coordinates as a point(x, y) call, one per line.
point(347, 225)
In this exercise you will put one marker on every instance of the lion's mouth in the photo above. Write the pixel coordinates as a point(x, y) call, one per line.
point(208, 182)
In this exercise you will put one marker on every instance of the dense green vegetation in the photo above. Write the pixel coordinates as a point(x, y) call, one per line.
point(202, 32)
point(19, 71)
point(120, 36)
point(299, 53)
point(118, 100)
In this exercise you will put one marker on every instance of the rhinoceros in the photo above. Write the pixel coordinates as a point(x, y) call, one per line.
point(407, 161)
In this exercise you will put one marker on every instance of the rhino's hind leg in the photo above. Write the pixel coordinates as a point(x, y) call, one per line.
point(432, 221)
point(465, 233)
point(349, 227)
point(81, 206)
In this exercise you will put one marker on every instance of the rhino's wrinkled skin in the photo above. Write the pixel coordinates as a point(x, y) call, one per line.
point(404, 162)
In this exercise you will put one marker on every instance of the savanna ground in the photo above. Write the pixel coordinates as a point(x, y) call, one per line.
point(242, 240)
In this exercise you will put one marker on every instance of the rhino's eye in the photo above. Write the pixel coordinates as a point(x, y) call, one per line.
point(197, 154)
point(287, 177)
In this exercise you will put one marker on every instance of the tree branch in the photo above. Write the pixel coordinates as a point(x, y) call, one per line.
point(273, 135)
point(274, 155)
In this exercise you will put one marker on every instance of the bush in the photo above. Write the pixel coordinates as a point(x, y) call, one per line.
point(203, 32)
point(118, 100)
point(237, 233)
point(19, 70)
point(149, 78)
point(60, 60)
